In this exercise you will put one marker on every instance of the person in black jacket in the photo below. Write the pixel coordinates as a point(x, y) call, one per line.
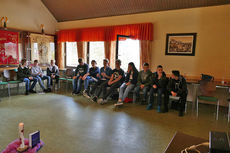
point(177, 86)
point(53, 72)
point(159, 86)
point(80, 71)
point(130, 82)
point(24, 75)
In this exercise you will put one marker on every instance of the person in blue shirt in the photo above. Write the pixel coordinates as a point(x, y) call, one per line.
point(104, 76)
point(80, 71)
point(90, 77)
point(114, 82)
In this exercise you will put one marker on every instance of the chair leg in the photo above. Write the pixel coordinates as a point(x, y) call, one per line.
point(197, 107)
point(17, 88)
point(9, 90)
point(217, 110)
point(228, 111)
point(186, 107)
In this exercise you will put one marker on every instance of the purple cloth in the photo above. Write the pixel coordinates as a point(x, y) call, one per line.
point(12, 147)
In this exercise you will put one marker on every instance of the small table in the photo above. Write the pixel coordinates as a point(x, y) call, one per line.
point(180, 141)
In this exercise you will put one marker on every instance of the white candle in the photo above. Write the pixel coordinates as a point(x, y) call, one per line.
point(21, 135)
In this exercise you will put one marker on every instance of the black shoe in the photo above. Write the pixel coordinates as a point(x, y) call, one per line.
point(45, 90)
point(32, 91)
point(94, 99)
point(165, 110)
point(49, 90)
point(181, 113)
point(27, 93)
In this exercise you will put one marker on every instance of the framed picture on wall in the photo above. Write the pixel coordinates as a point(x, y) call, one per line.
point(182, 44)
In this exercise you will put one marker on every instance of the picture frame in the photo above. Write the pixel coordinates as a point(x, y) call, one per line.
point(180, 44)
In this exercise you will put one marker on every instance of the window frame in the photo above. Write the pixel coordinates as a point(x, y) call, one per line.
point(117, 43)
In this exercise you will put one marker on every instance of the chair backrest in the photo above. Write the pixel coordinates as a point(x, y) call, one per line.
point(69, 73)
point(207, 88)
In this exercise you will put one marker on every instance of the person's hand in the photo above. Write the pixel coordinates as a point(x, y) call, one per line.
point(98, 75)
point(74, 77)
point(110, 82)
point(142, 86)
point(40, 74)
point(154, 86)
point(80, 77)
point(52, 76)
point(173, 93)
point(84, 77)
point(31, 78)
point(127, 84)
point(103, 74)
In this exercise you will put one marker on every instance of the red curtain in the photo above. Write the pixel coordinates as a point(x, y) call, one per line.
point(143, 31)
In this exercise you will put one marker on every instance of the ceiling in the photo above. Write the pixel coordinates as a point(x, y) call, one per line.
point(68, 10)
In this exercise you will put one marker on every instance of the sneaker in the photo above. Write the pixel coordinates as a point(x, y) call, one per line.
point(181, 113)
point(45, 90)
point(158, 109)
point(27, 93)
point(103, 102)
point(149, 107)
point(99, 101)
point(85, 94)
point(32, 91)
point(94, 99)
point(49, 90)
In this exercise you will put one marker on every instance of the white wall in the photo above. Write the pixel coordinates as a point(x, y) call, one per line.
point(28, 15)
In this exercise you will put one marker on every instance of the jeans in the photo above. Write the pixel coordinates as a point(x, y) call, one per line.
point(111, 89)
point(182, 101)
point(136, 93)
point(102, 88)
point(41, 83)
point(77, 83)
point(124, 91)
point(97, 85)
point(160, 92)
point(27, 81)
point(87, 81)
point(56, 78)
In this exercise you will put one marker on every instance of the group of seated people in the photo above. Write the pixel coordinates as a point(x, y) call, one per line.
point(35, 75)
point(133, 80)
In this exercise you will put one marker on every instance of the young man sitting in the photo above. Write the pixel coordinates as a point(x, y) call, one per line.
point(90, 77)
point(36, 72)
point(159, 86)
point(53, 72)
point(24, 75)
point(115, 81)
point(80, 71)
point(104, 77)
point(143, 83)
point(177, 86)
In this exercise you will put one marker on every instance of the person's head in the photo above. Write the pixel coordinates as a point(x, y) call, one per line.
point(93, 63)
point(159, 69)
point(80, 61)
point(118, 63)
point(146, 67)
point(52, 62)
point(106, 62)
point(24, 62)
point(35, 62)
point(175, 74)
point(131, 66)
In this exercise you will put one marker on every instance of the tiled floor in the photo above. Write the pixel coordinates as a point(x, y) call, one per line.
point(71, 124)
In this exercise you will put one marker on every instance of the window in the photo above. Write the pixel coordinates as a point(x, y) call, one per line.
point(128, 51)
point(96, 52)
point(71, 54)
